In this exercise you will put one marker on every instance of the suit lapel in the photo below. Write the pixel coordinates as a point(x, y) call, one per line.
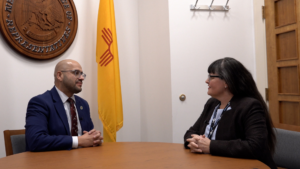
point(80, 110)
point(60, 110)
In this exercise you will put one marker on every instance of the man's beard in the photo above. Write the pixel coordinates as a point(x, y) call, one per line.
point(70, 86)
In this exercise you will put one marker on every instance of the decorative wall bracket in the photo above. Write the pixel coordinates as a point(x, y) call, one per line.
point(211, 7)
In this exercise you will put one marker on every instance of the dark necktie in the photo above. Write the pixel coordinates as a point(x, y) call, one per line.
point(74, 128)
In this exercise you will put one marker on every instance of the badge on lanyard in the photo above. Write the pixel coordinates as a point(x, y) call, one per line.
point(215, 121)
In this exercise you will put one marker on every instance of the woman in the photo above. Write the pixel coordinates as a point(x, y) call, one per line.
point(235, 122)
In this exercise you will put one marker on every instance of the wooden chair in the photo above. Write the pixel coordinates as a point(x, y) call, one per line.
point(14, 141)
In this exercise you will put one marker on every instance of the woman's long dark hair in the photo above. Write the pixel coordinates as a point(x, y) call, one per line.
point(241, 84)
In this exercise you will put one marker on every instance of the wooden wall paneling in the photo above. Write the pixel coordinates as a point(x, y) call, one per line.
point(285, 12)
point(288, 80)
point(286, 45)
point(289, 112)
point(282, 35)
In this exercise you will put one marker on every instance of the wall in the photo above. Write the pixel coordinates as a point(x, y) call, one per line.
point(197, 38)
point(155, 71)
point(260, 48)
point(128, 44)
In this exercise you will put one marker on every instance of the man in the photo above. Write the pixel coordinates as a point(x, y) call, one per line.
point(58, 119)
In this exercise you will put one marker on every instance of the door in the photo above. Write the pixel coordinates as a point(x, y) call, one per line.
point(282, 31)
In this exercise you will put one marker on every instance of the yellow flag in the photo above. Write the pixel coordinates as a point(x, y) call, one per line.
point(109, 87)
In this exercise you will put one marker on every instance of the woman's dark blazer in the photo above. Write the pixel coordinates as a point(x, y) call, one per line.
point(241, 133)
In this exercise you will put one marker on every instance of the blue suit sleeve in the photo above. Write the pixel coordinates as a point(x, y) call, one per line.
point(38, 136)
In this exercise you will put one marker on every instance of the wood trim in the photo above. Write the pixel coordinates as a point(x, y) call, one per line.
point(286, 29)
point(295, 94)
point(288, 98)
point(281, 60)
point(289, 65)
point(287, 127)
point(286, 63)
point(284, 100)
point(276, 27)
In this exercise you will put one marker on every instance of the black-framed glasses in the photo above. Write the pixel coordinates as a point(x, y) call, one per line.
point(77, 73)
point(212, 77)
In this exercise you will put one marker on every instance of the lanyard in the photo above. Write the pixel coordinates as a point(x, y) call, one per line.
point(215, 121)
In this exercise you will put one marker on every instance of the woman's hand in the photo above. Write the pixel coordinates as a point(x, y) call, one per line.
point(203, 144)
point(199, 144)
point(193, 143)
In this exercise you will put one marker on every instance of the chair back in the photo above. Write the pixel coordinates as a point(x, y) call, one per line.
point(14, 141)
point(287, 150)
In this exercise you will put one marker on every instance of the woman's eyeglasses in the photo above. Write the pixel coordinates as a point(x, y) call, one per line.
point(212, 77)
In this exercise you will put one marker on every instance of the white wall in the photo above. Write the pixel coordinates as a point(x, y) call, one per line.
point(197, 39)
point(260, 47)
point(128, 44)
point(155, 71)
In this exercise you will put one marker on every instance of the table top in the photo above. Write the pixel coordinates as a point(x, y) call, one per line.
point(126, 155)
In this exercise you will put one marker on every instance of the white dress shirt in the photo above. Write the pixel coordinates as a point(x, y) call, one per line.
point(64, 99)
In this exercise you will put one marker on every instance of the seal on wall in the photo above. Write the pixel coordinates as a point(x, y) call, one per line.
point(40, 29)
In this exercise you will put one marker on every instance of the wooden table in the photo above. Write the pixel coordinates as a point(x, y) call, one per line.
point(126, 155)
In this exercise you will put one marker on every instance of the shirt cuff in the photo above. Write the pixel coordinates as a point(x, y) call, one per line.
point(74, 142)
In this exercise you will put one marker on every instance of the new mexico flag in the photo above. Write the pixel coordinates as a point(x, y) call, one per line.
point(109, 87)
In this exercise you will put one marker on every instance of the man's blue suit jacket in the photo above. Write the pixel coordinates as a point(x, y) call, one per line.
point(47, 126)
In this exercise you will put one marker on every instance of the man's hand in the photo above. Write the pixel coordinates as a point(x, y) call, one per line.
point(97, 138)
point(85, 140)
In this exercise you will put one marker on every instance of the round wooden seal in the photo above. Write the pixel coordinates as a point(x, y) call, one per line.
point(40, 29)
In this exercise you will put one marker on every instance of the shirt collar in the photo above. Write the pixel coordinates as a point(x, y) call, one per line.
point(229, 108)
point(63, 96)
